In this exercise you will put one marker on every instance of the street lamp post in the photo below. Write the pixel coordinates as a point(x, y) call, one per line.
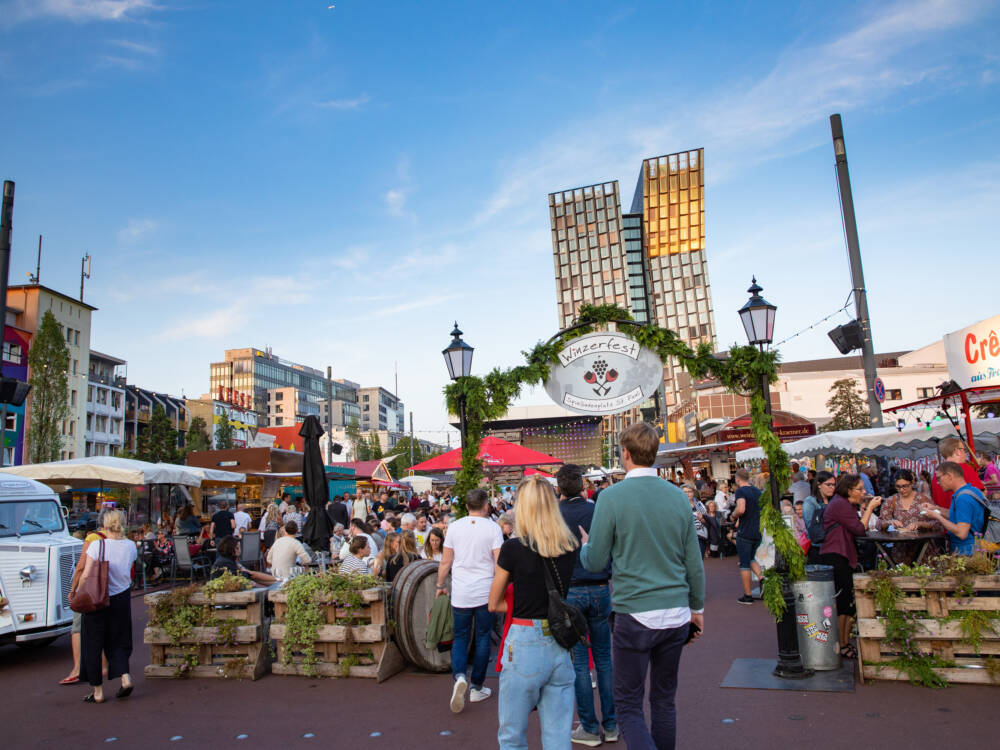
point(758, 321)
point(458, 358)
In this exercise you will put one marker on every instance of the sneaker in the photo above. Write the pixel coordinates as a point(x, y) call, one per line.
point(480, 694)
point(611, 735)
point(745, 599)
point(458, 694)
point(582, 737)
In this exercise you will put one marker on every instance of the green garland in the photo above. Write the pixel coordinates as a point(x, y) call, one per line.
point(488, 398)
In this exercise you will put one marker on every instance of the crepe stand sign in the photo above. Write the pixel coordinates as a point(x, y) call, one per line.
point(604, 373)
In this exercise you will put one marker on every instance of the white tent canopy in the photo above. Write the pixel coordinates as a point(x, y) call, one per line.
point(110, 471)
point(911, 442)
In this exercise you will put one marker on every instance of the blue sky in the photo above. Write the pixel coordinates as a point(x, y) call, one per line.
point(341, 184)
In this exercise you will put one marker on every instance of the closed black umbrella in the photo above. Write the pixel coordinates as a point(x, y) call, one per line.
point(316, 532)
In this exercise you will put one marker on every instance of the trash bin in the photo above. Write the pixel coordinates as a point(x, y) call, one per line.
point(816, 618)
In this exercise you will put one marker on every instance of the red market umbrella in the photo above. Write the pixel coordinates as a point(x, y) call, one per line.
point(495, 454)
point(539, 472)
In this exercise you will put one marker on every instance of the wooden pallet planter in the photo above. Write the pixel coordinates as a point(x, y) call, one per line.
point(362, 649)
point(215, 657)
point(932, 602)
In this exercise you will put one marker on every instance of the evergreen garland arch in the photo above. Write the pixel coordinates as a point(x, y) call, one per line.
point(489, 397)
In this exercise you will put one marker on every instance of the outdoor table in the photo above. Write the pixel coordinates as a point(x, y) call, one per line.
point(921, 538)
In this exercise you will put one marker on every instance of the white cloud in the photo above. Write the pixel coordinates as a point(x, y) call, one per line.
point(344, 104)
point(136, 229)
point(137, 47)
point(215, 324)
point(79, 11)
point(395, 201)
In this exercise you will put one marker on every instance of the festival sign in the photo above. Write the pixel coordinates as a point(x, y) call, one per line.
point(604, 373)
point(973, 354)
point(785, 432)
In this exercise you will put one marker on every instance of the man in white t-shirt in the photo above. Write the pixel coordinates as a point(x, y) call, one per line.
point(285, 551)
point(243, 519)
point(471, 547)
point(423, 528)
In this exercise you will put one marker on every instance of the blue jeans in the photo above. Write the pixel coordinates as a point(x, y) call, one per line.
point(462, 619)
point(537, 671)
point(638, 650)
point(595, 604)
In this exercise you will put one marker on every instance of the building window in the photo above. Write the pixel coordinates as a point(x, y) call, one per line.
point(72, 398)
point(11, 424)
point(925, 392)
point(69, 335)
point(12, 353)
point(894, 395)
point(76, 338)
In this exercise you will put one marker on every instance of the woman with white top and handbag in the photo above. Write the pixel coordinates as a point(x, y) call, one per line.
point(109, 629)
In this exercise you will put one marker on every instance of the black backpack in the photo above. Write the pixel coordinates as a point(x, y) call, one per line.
point(566, 623)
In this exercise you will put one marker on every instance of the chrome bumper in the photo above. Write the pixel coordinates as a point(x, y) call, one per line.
point(35, 635)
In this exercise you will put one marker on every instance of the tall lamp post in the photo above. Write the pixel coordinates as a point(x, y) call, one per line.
point(458, 358)
point(758, 321)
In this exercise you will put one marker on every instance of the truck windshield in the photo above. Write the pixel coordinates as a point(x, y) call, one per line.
point(29, 517)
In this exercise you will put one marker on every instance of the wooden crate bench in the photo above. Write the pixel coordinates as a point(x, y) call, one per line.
point(930, 602)
point(361, 649)
point(215, 658)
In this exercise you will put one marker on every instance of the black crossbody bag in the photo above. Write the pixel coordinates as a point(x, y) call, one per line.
point(566, 622)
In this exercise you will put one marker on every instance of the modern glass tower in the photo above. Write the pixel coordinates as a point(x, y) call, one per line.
point(650, 260)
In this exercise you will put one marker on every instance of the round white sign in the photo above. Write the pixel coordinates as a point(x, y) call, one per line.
point(604, 373)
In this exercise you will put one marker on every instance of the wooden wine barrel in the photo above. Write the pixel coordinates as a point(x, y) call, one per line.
point(413, 592)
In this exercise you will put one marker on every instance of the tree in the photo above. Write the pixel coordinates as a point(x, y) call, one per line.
point(159, 441)
point(197, 438)
point(848, 410)
point(224, 433)
point(374, 446)
point(353, 433)
point(48, 359)
point(399, 465)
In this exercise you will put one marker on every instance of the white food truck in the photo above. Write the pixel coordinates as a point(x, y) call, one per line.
point(37, 559)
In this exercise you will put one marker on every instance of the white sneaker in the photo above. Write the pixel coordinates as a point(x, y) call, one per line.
point(611, 736)
point(479, 695)
point(458, 694)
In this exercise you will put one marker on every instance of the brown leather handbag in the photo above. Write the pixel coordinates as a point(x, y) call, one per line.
point(92, 594)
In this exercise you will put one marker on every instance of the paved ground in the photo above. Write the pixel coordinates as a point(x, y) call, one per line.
point(411, 710)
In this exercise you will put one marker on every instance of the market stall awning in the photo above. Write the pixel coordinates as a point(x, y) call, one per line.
point(911, 442)
point(668, 455)
point(110, 471)
point(495, 454)
point(539, 472)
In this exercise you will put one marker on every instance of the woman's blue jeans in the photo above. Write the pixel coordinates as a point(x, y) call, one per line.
point(537, 671)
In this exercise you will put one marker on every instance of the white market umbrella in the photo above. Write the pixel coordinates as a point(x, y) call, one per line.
point(111, 471)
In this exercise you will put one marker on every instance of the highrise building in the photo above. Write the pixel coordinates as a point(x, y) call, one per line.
point(381, 410)
point(650, 260)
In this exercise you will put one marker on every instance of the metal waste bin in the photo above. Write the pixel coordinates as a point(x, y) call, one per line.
point(816, 619)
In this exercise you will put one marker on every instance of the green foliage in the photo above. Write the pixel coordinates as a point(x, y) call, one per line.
point(224, 433)
point(197, 438)
point(305, 613)
point(48, 360)
point(159, 441)
point(772, 594)
point(359, 446)
point(225, 583)
point(973, 623)
point(848, 410)
point(374, 446)
point(399, 465)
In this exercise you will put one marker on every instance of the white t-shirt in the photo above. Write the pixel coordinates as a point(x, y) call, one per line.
point(120, 554)
point(283, 555)
point(243, 521)
point(474, 540)
point(360, 508)
point(421, 536)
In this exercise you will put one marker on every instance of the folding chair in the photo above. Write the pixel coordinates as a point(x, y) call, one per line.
point(250, 549)
point(183, 561)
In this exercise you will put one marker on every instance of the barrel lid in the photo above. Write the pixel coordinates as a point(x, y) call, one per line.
point(819, 572)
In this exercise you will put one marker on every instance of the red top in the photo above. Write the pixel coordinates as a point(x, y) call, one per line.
point(942, 498)
point(840, 519)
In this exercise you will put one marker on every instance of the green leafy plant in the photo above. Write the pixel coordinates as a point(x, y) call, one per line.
point(351, 660)
point(973, 623)
point(305, 612)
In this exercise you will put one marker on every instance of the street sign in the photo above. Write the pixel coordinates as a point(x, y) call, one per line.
point(879, 389)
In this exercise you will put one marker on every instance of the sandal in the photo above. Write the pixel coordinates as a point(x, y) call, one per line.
point(91, 699)
point(69, 680)
point(848, 651)
point(124, 692)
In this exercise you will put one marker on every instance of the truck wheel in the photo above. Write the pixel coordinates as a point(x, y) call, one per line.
point(40, 643)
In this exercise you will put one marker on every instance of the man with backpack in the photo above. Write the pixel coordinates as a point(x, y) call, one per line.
point(813, 508)
point(952, 449)
point(967, 514)
point(644, 525)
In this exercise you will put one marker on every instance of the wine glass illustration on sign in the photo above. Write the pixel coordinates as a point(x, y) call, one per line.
point(600, 376)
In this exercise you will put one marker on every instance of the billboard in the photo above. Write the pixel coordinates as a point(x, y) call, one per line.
point(973, 354)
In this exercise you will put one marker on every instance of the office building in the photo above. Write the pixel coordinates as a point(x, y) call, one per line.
point(380, 410)
point(28, 303)
point(105, 429)
point(650, 260)
point(249, 374)
point(16, 343)
point(243, 419)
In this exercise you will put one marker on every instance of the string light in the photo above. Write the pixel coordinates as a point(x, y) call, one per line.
point(818, 322)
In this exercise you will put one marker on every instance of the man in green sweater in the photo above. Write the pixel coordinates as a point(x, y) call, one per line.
point(644, 524)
